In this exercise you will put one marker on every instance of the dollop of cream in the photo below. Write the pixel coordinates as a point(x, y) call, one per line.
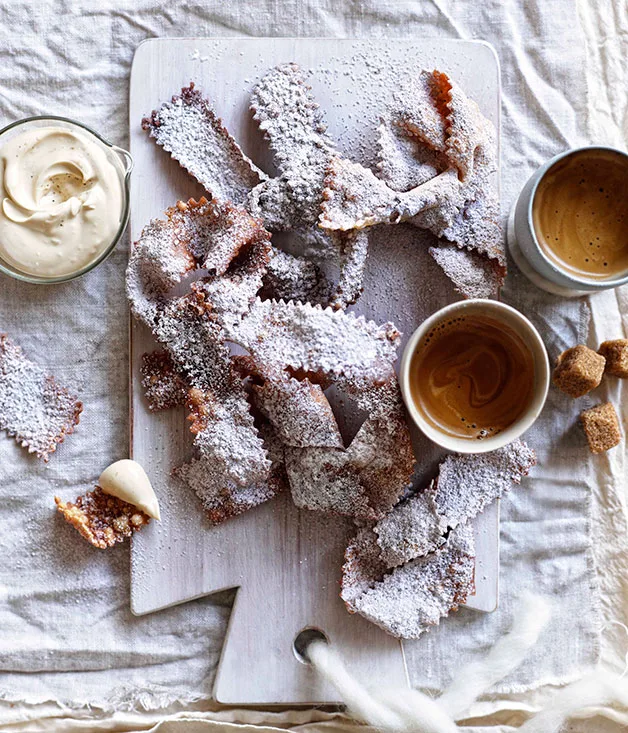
point(61, 199)
point(128, 481)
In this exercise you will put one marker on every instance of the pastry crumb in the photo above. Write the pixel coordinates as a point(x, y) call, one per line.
point(102, 519)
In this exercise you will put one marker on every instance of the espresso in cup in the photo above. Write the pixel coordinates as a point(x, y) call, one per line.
point(568, 230)
point(580, 214)
point(472, 376)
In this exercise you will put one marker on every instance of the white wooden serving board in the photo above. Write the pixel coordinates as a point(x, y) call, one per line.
point(285, 562)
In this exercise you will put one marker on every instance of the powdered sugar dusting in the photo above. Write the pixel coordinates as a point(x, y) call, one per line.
point(413, 528)
point(416, 110)
point(298, 411)
point(365, 480)
point(427, 539)
point(294, 278)
point(308, 340)
point(303, 336)
point(229, 241)
point(163, 386)
point(402, 161)
point(225, 436)
point(473, 276)
point(353, 247)
point(355, 198)
point(287, 113)
point(293, 124)
point(467, 484)
point(415, 596)
point(34, 408)
point(190, 131)
point(363, 567)
point(437, 152)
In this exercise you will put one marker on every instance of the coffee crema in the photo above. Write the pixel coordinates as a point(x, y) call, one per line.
point(580, 214)
point(472, 376)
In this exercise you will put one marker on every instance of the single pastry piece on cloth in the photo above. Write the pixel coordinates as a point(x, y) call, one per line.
point(601, 426)
point(416, 564)
point(578, 370)
point(34, 408)
point(121, 504)
point(616, 354)
point(103, 520)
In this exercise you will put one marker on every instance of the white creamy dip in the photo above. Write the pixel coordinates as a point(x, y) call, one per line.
point(128, 481)
point(61, 199)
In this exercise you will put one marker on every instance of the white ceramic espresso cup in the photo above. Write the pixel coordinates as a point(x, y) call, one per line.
point(527, 253)
point(530, 336)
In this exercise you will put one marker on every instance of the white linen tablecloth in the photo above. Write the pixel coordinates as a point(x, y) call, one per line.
point(69, 648)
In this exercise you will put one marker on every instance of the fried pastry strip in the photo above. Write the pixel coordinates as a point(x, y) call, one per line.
point(229, 242)
point(416, 564)
point(302, 336)
point(437, 112)
point(404, 162)
point(293, 278)
point(102, 519)
point(298, 411)
point(414, 597)
point(354, 198)
point(473, 275)
point(34, 408)
point(435, 139)
point(464, 487)
point(292, 122)
point(366, 479)
point(187, 127)
point(467, 484)
point(164, 387)
point(353, 248)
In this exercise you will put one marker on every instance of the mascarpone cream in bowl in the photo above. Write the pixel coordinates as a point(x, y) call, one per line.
point(64, 199)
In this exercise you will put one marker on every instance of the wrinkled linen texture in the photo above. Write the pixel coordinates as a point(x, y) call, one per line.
point(67, 637)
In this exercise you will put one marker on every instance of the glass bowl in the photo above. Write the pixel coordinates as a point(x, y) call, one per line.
point(124, 165)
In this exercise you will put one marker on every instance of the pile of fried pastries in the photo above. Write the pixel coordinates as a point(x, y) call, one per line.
point(208, 278)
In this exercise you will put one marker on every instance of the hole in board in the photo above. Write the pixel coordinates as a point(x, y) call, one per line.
point(303, 639)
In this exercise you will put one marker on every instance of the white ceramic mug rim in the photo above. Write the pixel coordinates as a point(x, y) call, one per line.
point(606, 283)
point(465, 445)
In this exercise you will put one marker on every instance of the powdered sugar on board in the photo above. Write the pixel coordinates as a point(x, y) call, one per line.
point(352, 81)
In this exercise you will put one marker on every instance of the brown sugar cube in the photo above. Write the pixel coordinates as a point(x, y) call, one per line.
point(616, 355)
point(601, 427)
point(578, 370)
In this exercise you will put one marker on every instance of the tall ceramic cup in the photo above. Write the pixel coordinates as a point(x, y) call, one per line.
point(527, 252)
